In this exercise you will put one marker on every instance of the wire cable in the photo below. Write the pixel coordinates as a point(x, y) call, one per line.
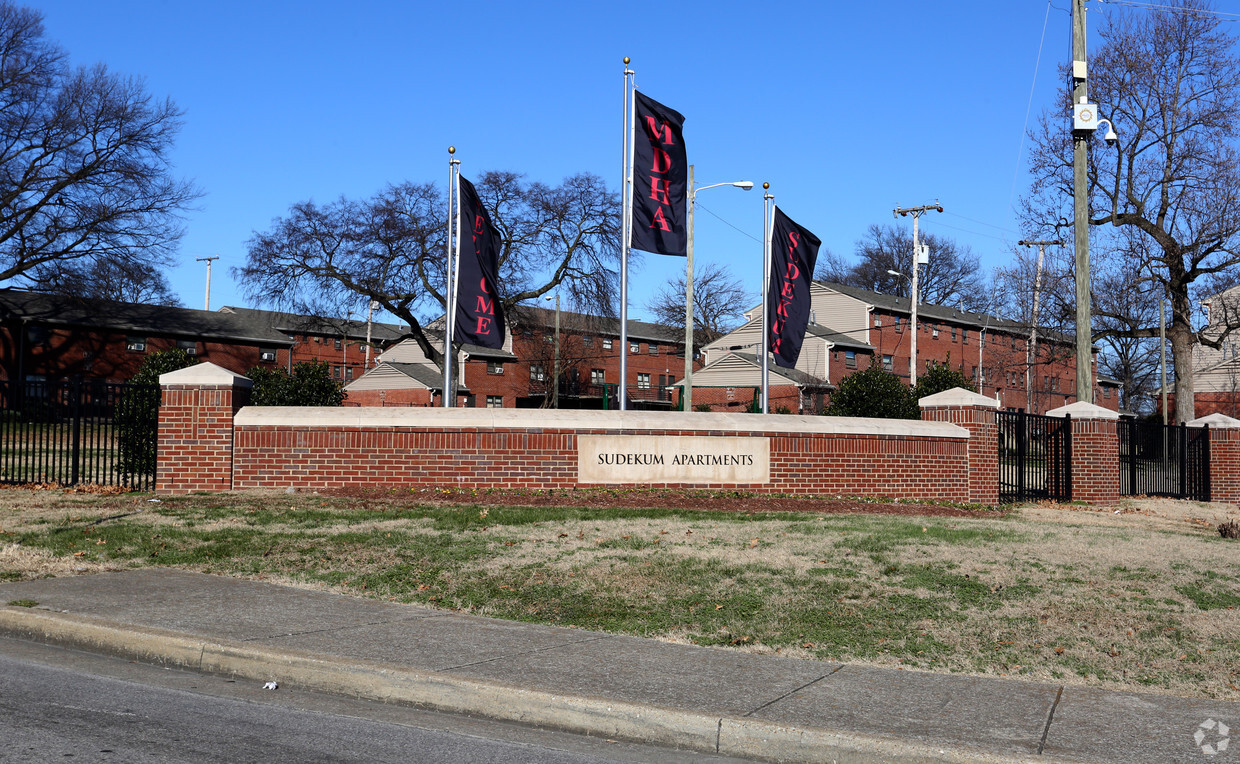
point(1020, 150)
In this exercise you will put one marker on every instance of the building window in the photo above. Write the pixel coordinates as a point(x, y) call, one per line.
point(495, 401)
point(267, 355)
point(1013, 341)
point(878, 321)
point(643, 381)
point(348, 372)
point(964, 336)
point(1106, 392)
point(537, 374)
point(549, 338)
point(635, 347)
point(606, 343)
point(895, 321)
point(495, 367)
point(597, 376)
point(339, 343)
point(850, 359)
point(654, 349)
point(973, 373)
point(953, 334)
point(189, 346)
point(935, 331)
point(136, 344)
point(888, 363)
point(336, 372)
point(588, 341)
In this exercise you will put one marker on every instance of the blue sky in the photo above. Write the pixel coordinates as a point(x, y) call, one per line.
point(847, 109)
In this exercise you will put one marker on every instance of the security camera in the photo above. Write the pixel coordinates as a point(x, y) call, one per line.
point(1111, 138)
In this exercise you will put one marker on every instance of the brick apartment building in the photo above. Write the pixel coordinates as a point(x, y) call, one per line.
point(55, 337)
point(521, 373)
point(852, 328)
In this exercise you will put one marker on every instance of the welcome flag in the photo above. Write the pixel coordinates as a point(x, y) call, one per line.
point(794, 251)
point(660, 179)
point(479, 316)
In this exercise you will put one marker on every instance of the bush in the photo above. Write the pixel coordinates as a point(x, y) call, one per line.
point(309, 385)
point(873, 393)
point(136, 418)
point(940, 377)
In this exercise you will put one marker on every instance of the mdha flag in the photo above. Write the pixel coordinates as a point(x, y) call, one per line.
point(794, 251)
point(660, 179)
point(479, 317)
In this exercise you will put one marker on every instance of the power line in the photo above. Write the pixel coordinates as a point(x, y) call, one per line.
point(1175, 9)
point(729, 225)
point(1020, 150)
point(983, 222)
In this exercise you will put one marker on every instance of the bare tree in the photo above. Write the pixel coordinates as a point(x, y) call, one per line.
point(719, 303)
point(1168, 192)
point(324, 260)
point(952, 277)
point(85, 181)
point(120, 280)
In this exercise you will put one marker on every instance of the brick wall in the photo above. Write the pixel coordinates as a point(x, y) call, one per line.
point(1225, 461)
point(931, 465)
point(196, 429)
point(1095, 451)
point(976, 414)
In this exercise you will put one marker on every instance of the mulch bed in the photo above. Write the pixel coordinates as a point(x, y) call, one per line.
point(717, 501)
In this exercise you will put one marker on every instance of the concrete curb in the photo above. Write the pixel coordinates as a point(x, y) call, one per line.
point(441, 691)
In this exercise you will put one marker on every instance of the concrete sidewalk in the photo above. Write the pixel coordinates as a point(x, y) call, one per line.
point(696, 698)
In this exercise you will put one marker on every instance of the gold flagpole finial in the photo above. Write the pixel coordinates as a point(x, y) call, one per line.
point(626, 60)
point(452, 149)
point(766, 186)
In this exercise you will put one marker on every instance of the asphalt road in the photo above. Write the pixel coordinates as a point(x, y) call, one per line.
point(64, 705)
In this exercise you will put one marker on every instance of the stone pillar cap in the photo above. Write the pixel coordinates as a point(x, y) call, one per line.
point(957, 397)
point(205, 374)
point(1083, 410)
point(1215, 420)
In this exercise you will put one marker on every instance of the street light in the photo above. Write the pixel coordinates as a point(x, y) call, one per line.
point(693, 192)
point(555, 381)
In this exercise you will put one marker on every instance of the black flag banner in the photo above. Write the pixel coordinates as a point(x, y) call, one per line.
point(660, 179)
point(479, 317)
point(794, 251)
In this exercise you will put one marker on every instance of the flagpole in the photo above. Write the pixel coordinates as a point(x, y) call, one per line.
point(626, 191)
point(456, 270)
point(768, 215)
point(447, 286)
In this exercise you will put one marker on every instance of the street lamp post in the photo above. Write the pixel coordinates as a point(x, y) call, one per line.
point(916, 212)
point(687, 397)
point(555, 381)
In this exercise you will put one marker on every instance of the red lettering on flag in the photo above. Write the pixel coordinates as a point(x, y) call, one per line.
point(792, 271)
point(485, 306)
point(787, 290)
point(659, 190)
point(660, 221)
point(484, 325)
point(662, 132)
point(662, 160)
point(782, 310)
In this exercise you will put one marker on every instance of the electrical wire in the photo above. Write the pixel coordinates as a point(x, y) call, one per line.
point(1020, 150)
point(699, 206)
point(1221, 15)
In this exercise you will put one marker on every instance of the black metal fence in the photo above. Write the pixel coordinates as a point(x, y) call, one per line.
point(1035, 457)
point(78, 431)
point(1164, 460)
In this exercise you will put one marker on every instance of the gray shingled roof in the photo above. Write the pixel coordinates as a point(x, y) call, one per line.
point(293, 323)
point(530, 315)
point(134, 318)
point(928, 311)
point(796, 375)
point(431, 377)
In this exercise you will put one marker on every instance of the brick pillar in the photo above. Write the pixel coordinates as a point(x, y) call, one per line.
point(195, 451)
point(975, 413)
point(1224, 456)
point(1095, 452)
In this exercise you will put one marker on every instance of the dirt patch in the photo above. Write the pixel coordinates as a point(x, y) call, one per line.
point(636, 498)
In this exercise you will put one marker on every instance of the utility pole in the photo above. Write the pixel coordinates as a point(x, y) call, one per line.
point(1031, 350)
point(208, 260)
point(370, 315)
point(1080, 207)
point(916, 212)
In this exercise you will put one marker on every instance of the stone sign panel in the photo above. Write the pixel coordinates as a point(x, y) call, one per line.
point(672, 459)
